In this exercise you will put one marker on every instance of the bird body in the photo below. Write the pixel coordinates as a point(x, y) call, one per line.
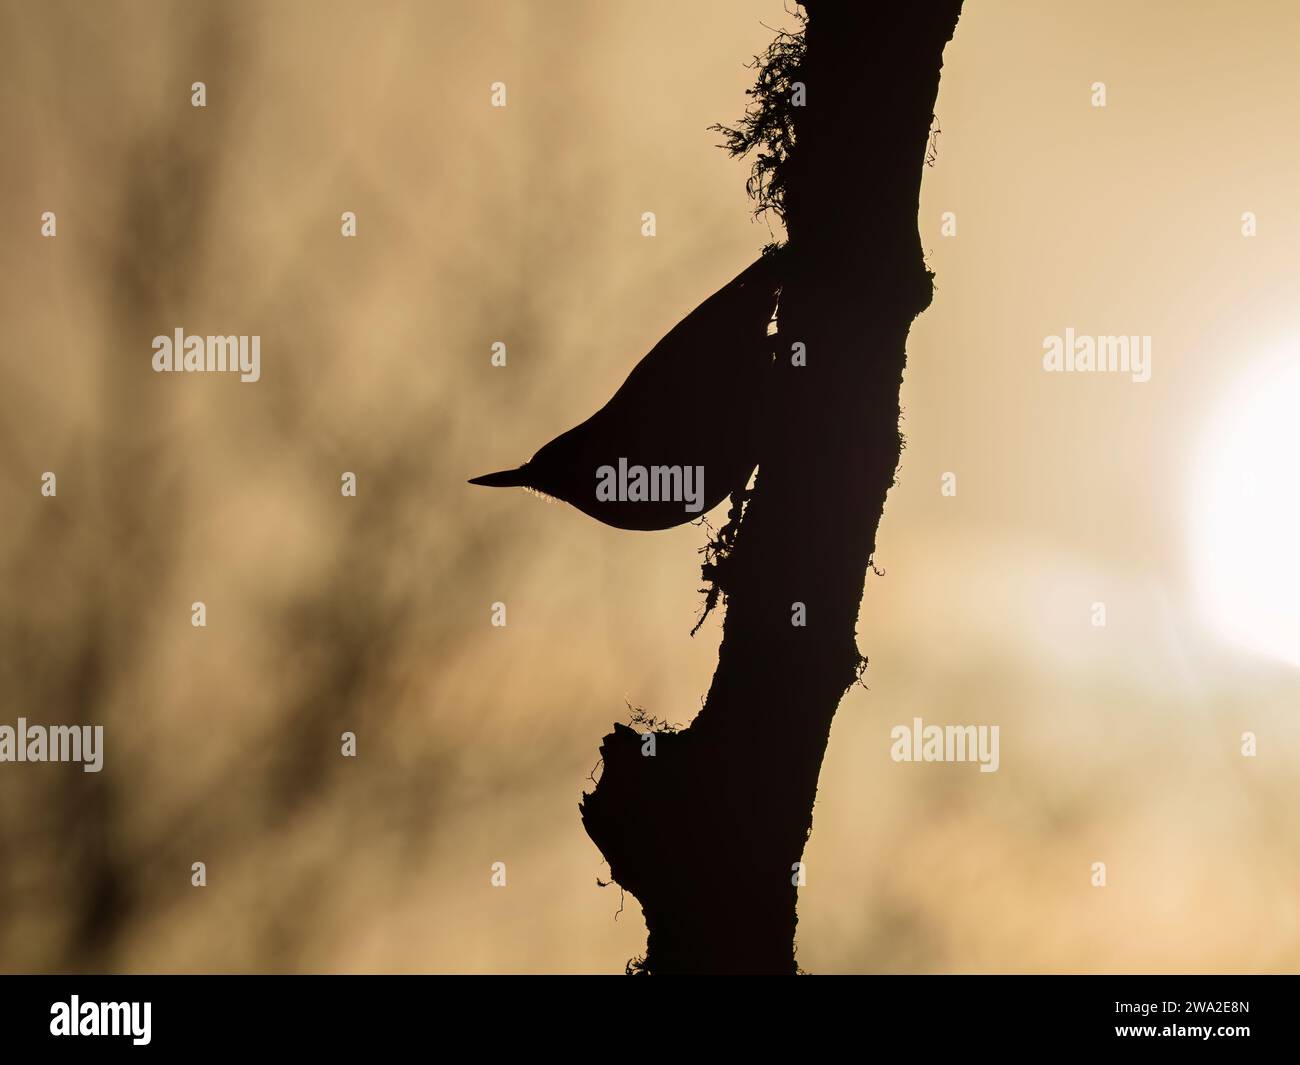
point(679, 435)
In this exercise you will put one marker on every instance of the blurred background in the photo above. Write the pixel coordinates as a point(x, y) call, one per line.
point(1119, 744)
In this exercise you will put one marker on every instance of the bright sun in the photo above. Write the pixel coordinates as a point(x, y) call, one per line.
point(1246, 513)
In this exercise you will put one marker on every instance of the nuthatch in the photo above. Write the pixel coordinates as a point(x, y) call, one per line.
point(679, 435)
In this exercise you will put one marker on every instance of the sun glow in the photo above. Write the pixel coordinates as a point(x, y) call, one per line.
point(1245, 532)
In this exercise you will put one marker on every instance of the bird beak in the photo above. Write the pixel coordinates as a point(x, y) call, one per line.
point(501, 479)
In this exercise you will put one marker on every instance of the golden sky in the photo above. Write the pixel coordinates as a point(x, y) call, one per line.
point(1119, 744)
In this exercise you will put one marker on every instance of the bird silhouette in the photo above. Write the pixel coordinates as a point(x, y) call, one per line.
point(680, 434)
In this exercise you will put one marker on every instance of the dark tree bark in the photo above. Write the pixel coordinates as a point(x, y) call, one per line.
point(706, 833)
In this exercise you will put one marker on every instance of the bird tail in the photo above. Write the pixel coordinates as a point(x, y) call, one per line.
point(515, 478)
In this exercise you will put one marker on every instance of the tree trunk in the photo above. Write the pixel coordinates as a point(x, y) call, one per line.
point(707, 833)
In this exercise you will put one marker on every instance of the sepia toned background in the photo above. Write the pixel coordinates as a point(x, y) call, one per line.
point(1119, 744)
